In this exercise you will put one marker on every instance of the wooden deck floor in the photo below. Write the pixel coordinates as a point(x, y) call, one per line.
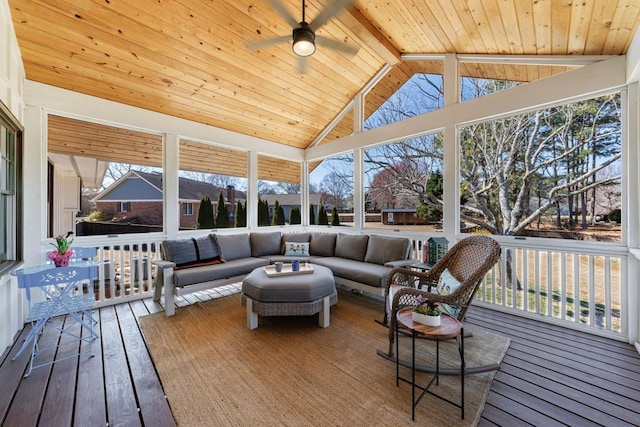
point(550, 376)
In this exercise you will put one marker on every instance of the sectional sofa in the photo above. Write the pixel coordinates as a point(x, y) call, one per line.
point(358, 261)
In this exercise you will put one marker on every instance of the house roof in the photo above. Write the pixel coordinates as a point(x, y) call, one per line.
point(191, 60)
point(146, 186)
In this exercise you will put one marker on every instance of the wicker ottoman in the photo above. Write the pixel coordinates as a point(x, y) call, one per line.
point(295, 295)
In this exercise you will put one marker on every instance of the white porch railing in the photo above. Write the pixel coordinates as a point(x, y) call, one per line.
point(575, 283)
point(127, 273)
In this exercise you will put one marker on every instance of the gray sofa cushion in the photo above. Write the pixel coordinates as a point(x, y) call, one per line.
point(351, 247)
point(238, 267)
point(357, 271)
point(265, 244)
point(322, 244)
point(382, 249)
point(234, 246)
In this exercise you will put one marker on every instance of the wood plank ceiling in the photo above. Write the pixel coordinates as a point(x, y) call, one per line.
point(189, 58)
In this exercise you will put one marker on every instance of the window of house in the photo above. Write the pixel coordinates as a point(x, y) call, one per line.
point(10, 188)
point(212, 186)
point(553, 173)
point(123, 206)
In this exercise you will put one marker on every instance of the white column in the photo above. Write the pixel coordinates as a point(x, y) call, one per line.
point(631, 206)
point(451, 187)
point(252, 191)
point(358, 190)
point(170, 182)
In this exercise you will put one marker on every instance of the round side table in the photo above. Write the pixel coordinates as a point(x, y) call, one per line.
point(449, 328)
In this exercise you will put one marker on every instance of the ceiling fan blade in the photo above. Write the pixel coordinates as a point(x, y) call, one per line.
point(329, 12)
point(336, 45)
point(282, 11)
point(302, 65)
point(263, 43)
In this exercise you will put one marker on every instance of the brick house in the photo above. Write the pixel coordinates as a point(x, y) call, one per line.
point(137, 197)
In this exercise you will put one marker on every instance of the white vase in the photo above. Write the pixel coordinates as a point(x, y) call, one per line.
point(425, 319)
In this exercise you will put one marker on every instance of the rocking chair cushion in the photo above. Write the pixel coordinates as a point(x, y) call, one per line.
point(447, 284)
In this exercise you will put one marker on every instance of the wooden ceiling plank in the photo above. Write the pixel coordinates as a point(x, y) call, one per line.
point(526, 25)
point(463, 24)
point(623, 25)
point(372, 37)
point(542, 20)
point(483, 27)
point(560, 24)
point(509, 18)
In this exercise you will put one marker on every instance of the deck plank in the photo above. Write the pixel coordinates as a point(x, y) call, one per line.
point(154, 407)
point(91, 407)
point(61, 392)
point(122, 407)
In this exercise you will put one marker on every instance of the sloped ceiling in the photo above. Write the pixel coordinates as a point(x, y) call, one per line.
point(188, 58)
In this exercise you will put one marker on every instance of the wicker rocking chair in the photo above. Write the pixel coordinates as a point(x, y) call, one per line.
point(468, 261)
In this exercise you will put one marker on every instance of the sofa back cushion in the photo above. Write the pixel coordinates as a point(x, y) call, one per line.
point(265, 244)
point(322, 244)
point(381, 250)
point(351, 247)
point(196, 251)
point(234, 246)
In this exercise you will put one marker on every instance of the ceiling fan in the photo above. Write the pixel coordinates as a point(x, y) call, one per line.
point(304, 33)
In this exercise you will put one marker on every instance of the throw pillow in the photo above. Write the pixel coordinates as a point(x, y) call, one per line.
point(296, 248)
point(447, 284)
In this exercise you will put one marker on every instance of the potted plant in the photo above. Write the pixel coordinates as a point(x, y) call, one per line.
point(427, 311)
point(63, 252)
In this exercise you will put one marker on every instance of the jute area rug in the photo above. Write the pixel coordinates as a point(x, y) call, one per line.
point(291, 372)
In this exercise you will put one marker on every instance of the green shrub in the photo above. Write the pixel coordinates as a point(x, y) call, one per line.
point(615, 216)
point(99, 215)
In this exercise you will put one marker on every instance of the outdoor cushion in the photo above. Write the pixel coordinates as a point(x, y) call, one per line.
point(357, 271)
point(447, 284)
point(303, 288)
point(322, 244)
point(234, 246)
point(182, 251)
point(185, 253)
point(351, 247)
point(265, 244)
point(294, 237)
point(238, 267)
point(381, 250)
point(296, 249)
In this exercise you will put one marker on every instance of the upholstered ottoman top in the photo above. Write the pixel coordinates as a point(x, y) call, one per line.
point(296, 288)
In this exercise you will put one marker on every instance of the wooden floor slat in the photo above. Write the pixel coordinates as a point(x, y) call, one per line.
point(550, 376)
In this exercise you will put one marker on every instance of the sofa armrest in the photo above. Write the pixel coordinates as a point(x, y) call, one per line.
point(163, 264)
point(401, 263)
point(164, 279)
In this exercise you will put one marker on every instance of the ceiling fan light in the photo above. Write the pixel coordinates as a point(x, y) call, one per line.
point(304, 41)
